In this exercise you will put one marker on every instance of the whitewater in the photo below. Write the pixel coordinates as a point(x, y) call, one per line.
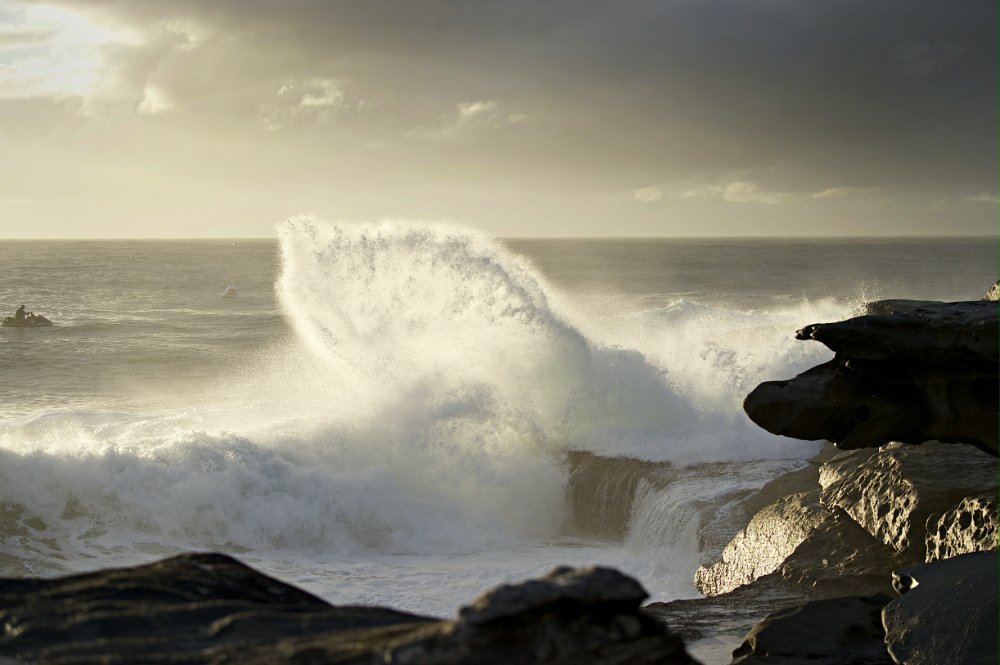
point(406, 413)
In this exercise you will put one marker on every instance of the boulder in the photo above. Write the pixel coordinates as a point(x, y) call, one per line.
point(969, 527)
point(835, 631)
point(947, 612)
point(893, 491)
point(908, 371)
point(770, 537)
point(209, 608)
point(805, 544)
point(715, 625)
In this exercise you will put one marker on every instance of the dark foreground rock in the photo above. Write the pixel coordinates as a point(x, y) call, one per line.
point(209, 608)
point(836, 631)
point(909, 371)
point(947, 612)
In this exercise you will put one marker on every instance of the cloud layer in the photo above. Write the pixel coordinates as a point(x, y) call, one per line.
point(645, 117)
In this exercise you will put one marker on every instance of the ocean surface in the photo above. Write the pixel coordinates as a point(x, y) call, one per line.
point(407, 414)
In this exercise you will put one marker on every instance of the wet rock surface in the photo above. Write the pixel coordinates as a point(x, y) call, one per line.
point(909, 371)
point(728, 617)
point(209, 608)
point(947, 612)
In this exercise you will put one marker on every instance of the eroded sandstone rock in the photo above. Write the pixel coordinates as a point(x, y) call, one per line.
point(993, 293)
point(804, 544)
point(892, 492)
point(770, 537)
point(969, 527)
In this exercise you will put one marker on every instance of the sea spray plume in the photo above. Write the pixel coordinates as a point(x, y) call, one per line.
point(428, 312)
point(397, 296)
point(430, 319)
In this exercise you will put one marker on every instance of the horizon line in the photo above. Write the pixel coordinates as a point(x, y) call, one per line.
point(533, 237)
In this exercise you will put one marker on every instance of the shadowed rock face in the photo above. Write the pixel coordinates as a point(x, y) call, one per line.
point(835, 631)
point(947, 612)
point(209, 608)
point(909, 371)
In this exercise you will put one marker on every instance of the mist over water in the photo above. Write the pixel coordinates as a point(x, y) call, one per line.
point(421, 412)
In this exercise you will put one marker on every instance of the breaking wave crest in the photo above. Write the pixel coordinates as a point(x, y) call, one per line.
point(426, 402)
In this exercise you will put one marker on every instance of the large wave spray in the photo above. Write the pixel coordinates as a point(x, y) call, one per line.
point(423, 405)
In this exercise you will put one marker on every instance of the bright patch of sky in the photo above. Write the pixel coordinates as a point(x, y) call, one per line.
point(48, 51)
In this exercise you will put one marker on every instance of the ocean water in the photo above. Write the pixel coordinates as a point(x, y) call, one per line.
point(405, 414)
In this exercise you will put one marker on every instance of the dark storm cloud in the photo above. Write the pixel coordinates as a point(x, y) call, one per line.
point(826, 93)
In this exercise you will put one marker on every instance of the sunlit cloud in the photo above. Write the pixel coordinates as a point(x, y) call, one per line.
point(990, 199)
point(735, 191)
point(469, 118)
point(748, 192)
point(154, 102)
point(313, 102)
point(48, 51)
point(648, 194)
point(843, 192)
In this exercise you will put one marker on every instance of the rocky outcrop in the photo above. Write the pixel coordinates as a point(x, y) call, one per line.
point(993, 293)
point(892, 492)
point(947, 612)
point(868, 513)
point(969, 527)
point(909, 371)
point(801, 542)
point(836, 631)
point(765, 543)
point(209, 608)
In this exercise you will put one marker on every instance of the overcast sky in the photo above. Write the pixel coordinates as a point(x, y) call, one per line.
point(189, 118)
